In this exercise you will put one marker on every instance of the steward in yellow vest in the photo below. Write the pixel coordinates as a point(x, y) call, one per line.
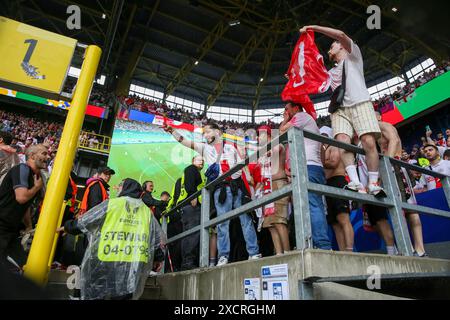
point(123, 239)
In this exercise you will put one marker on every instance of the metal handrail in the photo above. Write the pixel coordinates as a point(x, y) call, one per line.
point(299, 188)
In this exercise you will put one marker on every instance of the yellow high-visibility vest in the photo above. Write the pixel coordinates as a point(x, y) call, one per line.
point(125, 233)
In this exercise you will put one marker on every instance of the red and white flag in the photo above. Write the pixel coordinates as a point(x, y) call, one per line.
point(307, 73)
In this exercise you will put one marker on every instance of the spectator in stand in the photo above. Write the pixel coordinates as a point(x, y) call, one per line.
point(447, 154)
point(391, 146)
point(437, 165)
point(441, 140)
point(273, 177)
point(8, 154)
point(440, 148)
point(338, 209)
point(93, 142)
point(295, 117)
point(356, 112)
point(221, 156)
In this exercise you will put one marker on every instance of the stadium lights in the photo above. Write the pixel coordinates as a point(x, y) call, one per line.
point(233, 23)
point(394, 9)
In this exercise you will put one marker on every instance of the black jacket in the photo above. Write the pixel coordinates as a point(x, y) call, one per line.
point(192, 179)
point(95, 194)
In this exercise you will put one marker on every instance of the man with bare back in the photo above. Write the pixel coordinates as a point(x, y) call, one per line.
point(391, 146)
point(338, 209)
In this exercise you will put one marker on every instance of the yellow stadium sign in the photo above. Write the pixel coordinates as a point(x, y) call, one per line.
point(32, 59)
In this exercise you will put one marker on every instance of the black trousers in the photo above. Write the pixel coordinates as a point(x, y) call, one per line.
point(174, 228)
point(190, 245)
point(10, 246)
point(5, 244)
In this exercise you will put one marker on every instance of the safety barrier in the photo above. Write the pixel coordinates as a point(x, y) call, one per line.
point(103, 145)
point(299, 188)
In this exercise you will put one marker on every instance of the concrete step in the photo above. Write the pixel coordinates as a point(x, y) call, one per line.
point(226, 282)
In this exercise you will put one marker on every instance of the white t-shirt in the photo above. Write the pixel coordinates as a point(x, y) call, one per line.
point(229, 154)
point(355, 89)
point(304, 121)
point(442, 167)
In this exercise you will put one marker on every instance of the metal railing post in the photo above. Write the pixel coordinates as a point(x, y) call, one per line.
point(300, 202)
point(399, 224)
point(164, 229)
point(446, 186)
point(204, 231)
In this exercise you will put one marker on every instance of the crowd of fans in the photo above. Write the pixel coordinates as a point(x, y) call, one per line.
point(29, 131)
point(36, 141)
point(402, 93)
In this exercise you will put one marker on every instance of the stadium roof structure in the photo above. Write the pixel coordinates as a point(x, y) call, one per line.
point(234, 52)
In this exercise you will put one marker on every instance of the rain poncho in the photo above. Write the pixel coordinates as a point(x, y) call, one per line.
point(123, 238)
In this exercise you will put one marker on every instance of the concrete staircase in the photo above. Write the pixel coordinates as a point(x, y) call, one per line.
point(313, 274)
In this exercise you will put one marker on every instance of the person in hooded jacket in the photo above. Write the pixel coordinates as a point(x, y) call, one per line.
point(124, 238)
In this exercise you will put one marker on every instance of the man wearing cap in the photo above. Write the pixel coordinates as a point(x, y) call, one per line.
point(437, 164)
point(338, 209)
point(97, 190)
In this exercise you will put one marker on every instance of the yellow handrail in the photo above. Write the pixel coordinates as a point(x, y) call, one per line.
point(55, 239)
point(103, 146)
point(37, 263)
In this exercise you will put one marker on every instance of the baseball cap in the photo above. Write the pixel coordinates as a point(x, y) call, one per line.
point(106, 170)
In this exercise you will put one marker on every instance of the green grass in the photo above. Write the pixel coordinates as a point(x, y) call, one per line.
point(163, 163)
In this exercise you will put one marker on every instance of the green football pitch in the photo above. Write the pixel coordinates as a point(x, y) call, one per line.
point(163, 163)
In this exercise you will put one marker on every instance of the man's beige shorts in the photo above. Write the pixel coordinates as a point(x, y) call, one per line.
point(360, 118)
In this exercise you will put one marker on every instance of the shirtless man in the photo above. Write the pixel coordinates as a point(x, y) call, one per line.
point(391, 146)
point(338, 209)
point(273, 177)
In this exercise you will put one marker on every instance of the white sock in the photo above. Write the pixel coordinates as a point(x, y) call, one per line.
point(352, 174)
point(373, 177)
point(390, 250)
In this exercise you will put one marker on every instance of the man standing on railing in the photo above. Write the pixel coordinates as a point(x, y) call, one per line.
point(356, 114)
point(295, 117)
point(391, 146)
point(221, 157)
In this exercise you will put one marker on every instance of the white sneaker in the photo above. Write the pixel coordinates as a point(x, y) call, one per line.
point(222, 261)
point(255, 257)
point(376, 190)
point(355, 186)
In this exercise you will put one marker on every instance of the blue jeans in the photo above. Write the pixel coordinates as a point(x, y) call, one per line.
point(223, 233)
point(319, 226)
